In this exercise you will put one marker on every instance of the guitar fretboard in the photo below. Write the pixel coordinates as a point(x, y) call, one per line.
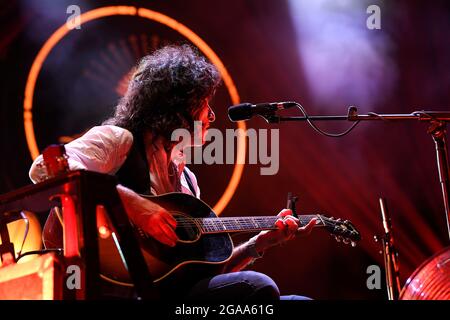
point(231, 224)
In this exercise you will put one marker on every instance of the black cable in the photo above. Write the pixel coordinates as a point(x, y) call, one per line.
point(415, 113)
point(377, 115)
point(333, 135)
point(59, 250)
point(27, 228)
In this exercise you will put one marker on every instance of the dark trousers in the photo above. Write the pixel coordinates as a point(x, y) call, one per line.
point(239, 286)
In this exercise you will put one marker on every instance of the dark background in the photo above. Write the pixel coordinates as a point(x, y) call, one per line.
point(318, 53)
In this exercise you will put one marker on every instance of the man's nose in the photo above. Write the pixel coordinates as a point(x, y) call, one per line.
point(211, 115)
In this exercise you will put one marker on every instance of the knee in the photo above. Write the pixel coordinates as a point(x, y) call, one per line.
point(295, 297)
point(264, 288)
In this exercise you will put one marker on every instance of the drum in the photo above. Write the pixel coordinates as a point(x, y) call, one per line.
point(431, 281)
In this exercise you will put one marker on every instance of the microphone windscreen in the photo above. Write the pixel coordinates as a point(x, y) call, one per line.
point(240, 112)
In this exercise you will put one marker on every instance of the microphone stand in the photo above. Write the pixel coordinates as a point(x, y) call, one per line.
point(438, 129)
point(389, 254)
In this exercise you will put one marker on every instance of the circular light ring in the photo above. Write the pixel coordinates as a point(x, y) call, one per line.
point(62, 31)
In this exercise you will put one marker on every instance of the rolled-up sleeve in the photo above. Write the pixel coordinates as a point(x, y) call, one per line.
point(102, 149)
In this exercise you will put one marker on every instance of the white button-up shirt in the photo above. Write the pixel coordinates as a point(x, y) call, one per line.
point(103, 149)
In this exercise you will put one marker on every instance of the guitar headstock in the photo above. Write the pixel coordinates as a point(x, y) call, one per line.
point(343, 231)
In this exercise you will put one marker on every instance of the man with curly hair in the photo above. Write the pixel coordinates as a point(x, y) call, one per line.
point(170, 90)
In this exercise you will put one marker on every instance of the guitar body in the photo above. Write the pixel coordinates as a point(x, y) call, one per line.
point(194, 252)
point(195, 256)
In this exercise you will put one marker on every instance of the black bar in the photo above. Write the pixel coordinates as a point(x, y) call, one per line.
point(314, 118)
point(418, 115)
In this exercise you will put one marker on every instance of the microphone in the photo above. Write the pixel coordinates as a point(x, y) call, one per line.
point(245, 111)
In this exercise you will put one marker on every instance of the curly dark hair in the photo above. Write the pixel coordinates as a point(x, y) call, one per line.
point(167, 90)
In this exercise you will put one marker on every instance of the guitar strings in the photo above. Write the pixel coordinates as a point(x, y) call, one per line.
point(233, 223)
point(235, 220)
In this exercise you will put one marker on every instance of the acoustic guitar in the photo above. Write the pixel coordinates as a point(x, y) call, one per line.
point(204, 240)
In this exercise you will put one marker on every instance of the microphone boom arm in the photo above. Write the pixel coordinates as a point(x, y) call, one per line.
point(438, 130)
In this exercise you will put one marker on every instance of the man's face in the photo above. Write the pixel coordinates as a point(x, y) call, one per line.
point(206, 116)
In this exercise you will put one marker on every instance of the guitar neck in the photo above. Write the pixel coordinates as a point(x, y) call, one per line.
point(240, 224)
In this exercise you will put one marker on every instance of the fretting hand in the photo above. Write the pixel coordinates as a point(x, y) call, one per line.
point(288, 228)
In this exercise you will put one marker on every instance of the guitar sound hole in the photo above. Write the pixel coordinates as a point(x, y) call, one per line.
point(186, 229)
